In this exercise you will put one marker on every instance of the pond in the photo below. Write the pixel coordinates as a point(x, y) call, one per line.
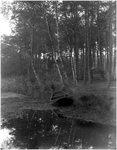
point(43, 129)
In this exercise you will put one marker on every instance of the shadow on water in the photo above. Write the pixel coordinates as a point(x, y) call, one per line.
point(43, 129)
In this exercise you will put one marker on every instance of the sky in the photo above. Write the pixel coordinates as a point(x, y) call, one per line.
point(4, 23)
point(4, 26)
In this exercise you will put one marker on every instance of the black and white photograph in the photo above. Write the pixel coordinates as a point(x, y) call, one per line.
point(58, 74)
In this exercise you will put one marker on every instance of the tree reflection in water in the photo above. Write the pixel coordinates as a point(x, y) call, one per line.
point(43, 129)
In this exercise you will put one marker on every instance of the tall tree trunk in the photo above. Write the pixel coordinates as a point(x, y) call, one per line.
point(76, 58)
point(98, 59)
point(38, 62)
point(85, 65)
point(32, 57)
point(99, 36)
point(85, 55)
point(53, 49)
point(77, 65)
point(82, 63)
point(110, 46)
point(114, 65)
point(76, 50)
point(72, 65)
point(99, 47)
point(58, 47)
point(88, 45)
point(94, 64)
point(107, 61)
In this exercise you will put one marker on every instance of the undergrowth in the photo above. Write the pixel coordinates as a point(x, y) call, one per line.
point(25, 86)
point(30, 87)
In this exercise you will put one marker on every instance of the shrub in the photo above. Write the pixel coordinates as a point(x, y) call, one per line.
point(25, 86)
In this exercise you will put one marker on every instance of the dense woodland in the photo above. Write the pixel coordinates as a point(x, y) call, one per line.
point(58, 73)
point(51, 40)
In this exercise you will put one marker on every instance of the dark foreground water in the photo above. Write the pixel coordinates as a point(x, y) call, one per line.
point(45, 130)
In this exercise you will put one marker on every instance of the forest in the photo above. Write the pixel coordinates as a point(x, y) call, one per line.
point(53, 41)
point(63, 51)
point(57, 40)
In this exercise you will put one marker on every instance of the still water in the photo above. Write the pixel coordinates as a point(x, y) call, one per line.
point(45, 130)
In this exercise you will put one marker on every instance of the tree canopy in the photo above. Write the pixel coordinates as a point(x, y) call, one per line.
point(67, 39)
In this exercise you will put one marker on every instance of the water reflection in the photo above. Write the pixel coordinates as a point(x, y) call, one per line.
point(43, 129)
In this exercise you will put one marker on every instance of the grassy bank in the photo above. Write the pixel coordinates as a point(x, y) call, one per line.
point(25, 86)
point(29, 87)
point(98, 107)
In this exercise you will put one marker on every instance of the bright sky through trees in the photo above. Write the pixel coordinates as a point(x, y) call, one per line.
point(4, 23)
point(4, 26)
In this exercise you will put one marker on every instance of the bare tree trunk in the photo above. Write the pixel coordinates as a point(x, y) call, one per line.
point(77, 65)
point(98, 59)
point(114, 65)
point(58, 47)
point(32, 57)
point(88, 46)
point(53, 49)
point(107, 61)
point(85, 55)
point(82, 64)
point(99, 47)
point(99, 37)
point(72, 65)
point(76, 61)
point(76, 50)
point(110, 47)
point(94, 64)
point(85, 66)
